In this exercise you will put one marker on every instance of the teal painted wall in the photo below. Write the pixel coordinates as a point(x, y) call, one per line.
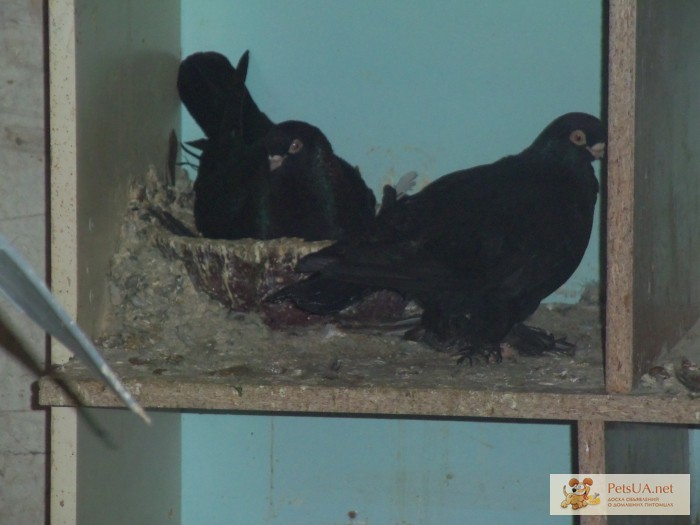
point(400, 85)
point(306, 470)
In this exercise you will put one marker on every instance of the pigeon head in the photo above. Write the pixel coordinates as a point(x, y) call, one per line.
point(577, 137)
point(294, 143)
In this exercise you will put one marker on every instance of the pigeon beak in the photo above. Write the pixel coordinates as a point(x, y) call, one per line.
point(275, 161)
point(597, 150)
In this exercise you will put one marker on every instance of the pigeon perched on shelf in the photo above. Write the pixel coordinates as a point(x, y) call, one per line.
point(215, 94)
point(311, 193)
point(229, 188)
point(478, 249)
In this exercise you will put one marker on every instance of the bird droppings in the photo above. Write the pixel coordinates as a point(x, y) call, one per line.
point(159, 323)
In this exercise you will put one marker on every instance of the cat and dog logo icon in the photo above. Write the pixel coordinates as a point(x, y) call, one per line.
point(579, 494)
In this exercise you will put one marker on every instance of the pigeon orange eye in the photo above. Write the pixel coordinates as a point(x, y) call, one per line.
point(578, 137)
point(296, 146)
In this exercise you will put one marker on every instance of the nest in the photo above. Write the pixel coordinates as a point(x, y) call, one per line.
point(193, 309)
point(240, 274)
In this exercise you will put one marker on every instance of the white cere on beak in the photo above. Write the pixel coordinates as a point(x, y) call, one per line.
point(275, 161)
point(597, 150)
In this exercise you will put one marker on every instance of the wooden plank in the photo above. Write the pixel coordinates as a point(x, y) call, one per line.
point(667, 188)
point(619, 299)
point(109, 64)
point(64, 243)
point(666, 254)
point(591, 446)
point(633, 448)
point(653, 289)
point(591, 457)
point(439, 402)
point(63, 470)
point(62, 132)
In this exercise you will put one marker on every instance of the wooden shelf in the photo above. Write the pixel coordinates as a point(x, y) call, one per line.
point(651, 288)
point(382, 401)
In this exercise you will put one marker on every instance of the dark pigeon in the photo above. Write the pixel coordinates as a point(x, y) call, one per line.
point(230, 185)
point(215, 94)
point(312, 194)
point(231, 191)
point(478, 249)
